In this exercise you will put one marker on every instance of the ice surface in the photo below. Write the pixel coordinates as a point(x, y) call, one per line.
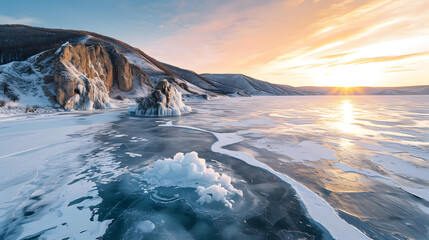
point(299, 152)
point(363, 168)
point(248, 123)
point(399, 166)
point(40, 177)
point(367, 156)
point(190, 171)
point(387, 179)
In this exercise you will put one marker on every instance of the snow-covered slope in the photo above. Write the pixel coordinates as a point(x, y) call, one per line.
point(203, 82)
point(253, 86)
point(22, 88)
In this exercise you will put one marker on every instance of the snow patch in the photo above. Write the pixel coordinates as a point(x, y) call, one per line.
point(60, 49)
point(133, 154)
point(142, 62)
point(138, 139)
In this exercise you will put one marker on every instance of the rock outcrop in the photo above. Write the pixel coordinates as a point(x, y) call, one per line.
point(92, 61)
point(140, 76)
point(165, 100)
point(83, 76)
point(123, 72)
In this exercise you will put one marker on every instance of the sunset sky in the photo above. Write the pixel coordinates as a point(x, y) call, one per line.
point(294, 42)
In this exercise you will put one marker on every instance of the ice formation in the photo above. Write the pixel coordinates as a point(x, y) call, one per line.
point(146, 226)
point(165, 100)
point(188, 170)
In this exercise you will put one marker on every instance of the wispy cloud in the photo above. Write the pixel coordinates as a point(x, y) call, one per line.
point(336, 55)
point(386, 58)
point(400, 70)
point(12, 20)
point(303, 42)
point(358, 46)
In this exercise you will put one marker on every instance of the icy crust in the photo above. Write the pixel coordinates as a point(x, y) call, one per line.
point(190, 171)
point(165, 100)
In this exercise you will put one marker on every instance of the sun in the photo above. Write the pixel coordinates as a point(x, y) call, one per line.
point(350, 75)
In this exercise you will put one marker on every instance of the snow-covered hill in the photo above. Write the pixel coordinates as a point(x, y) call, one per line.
point(22, 89)
point(253, 86)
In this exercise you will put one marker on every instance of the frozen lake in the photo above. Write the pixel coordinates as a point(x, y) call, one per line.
point(310, 167)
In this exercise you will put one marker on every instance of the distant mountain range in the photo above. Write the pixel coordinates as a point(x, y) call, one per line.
point(72, 69)
point(409, 90)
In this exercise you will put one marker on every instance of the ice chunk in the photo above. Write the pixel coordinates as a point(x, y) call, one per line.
point(188, 170)
point(212, 193)
point(146, 226)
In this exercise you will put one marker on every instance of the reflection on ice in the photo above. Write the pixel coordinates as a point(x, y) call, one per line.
point(347, 117)
point(349, 150)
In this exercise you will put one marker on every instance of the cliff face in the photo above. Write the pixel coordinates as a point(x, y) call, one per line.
point(85, 74)
point(123, 72)
point(92, 61)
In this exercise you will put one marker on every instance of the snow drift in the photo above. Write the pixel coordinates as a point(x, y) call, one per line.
point(190, 171)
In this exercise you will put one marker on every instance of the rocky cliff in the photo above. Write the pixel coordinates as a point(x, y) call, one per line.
point(84, 75)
